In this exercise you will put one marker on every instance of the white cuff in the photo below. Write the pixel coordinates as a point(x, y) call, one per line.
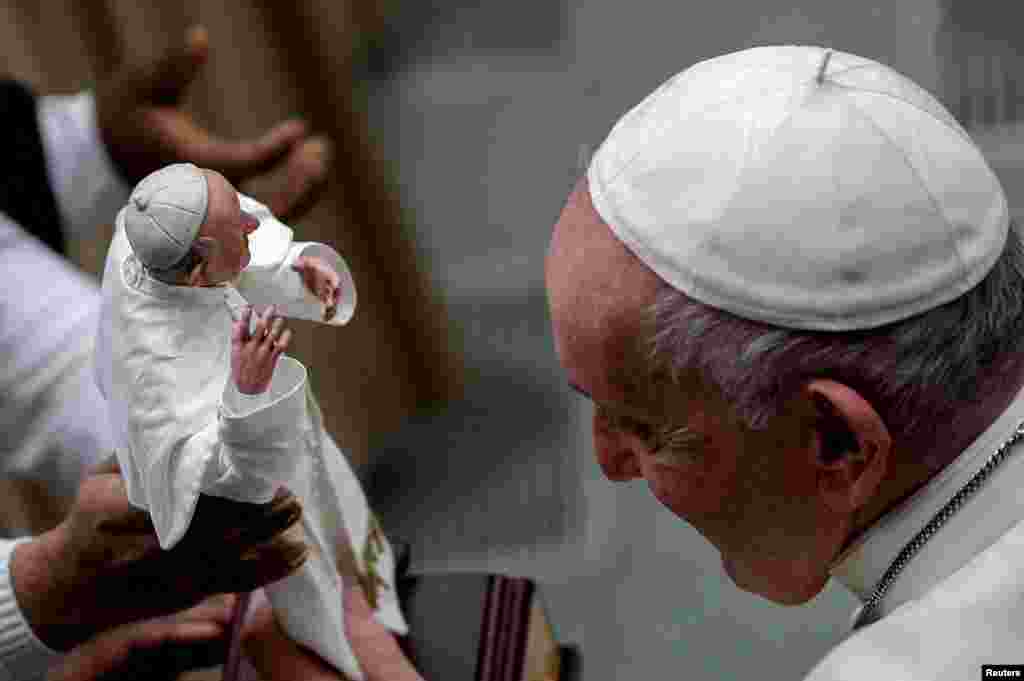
point(22, 655)
point(88, 188)
point(269, 278)
point(259, 435)
point(278, 284)
point(247, 403)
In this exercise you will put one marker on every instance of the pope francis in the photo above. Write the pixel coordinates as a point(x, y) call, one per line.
point(203, 400)
point(790, 284)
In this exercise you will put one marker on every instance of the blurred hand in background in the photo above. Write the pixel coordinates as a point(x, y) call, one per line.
point(144, 127)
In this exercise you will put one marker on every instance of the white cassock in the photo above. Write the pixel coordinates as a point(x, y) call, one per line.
point(163, 358)
point(959, 603)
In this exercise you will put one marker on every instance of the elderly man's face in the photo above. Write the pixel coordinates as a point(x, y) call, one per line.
point(751, 494)
point(229, 226)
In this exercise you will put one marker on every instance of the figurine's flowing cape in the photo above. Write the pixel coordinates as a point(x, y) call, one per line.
point(163, 357)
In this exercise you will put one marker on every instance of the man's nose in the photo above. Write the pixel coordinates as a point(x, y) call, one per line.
point(614, 452)
point(249, 222)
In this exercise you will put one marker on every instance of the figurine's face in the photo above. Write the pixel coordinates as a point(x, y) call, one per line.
point(229, 226)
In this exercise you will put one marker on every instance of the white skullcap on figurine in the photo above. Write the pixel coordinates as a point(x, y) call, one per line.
point(164, 214)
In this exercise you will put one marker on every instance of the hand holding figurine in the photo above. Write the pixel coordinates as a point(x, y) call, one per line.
point(254, 355)
point(171, 644)
point(322, 281)
point(103, 566)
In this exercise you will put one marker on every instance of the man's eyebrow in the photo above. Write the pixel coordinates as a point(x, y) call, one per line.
point(625, 409)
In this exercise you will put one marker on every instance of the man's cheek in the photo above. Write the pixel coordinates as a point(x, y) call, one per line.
point(688, 491)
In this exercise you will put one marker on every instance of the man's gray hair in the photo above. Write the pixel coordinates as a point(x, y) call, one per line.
point(915, 372)
point(179, 271)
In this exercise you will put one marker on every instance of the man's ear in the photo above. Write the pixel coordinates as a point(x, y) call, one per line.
point(852, 445)
point(197, 276)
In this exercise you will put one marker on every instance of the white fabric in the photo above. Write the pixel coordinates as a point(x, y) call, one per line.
point(960, 602)
point(273, 252)
point(845, 203)
point(22, 655)
point(53, 420)
point(88, 188)
point(52, 417)
point(164, 214)
point(163, 363)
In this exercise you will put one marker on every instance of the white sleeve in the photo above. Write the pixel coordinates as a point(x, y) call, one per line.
point(269, 278)
point(282, 286)
point(88, 188)
point(259, 435)
point(22, 655)
point(244, 455)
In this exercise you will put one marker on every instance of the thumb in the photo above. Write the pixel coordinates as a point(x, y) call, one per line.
point(162, 82)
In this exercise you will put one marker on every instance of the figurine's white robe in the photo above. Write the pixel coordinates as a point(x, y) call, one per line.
point(163, 357)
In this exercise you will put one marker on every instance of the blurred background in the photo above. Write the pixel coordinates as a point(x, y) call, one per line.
point(459, 129)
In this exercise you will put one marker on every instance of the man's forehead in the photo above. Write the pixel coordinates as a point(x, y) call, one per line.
point(599, 294)
point(591, 274)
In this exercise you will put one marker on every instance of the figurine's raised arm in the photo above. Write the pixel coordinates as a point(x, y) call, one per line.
point(306, 280)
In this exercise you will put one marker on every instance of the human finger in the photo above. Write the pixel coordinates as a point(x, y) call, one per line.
point(275, 520)
point(240, 332)
point(232, 522)
point(105, 497)
point(292, 186)
point(275, 329)
point(239, 160)
point(111, 653)
point(264, 565)
point(267, 340)
point(258, 602)
point(141, 647)
point(217, 608)
point(248, 566)
point(241, 566)
point(262, 322)
point(282, 344)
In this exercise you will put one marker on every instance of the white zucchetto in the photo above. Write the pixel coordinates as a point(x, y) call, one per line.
point(164, 214)
point(801, 187)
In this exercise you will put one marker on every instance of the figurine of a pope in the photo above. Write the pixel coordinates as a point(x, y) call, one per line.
point(203, 399)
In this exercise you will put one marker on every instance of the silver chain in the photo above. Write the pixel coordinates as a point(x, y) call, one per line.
point(940, 518)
